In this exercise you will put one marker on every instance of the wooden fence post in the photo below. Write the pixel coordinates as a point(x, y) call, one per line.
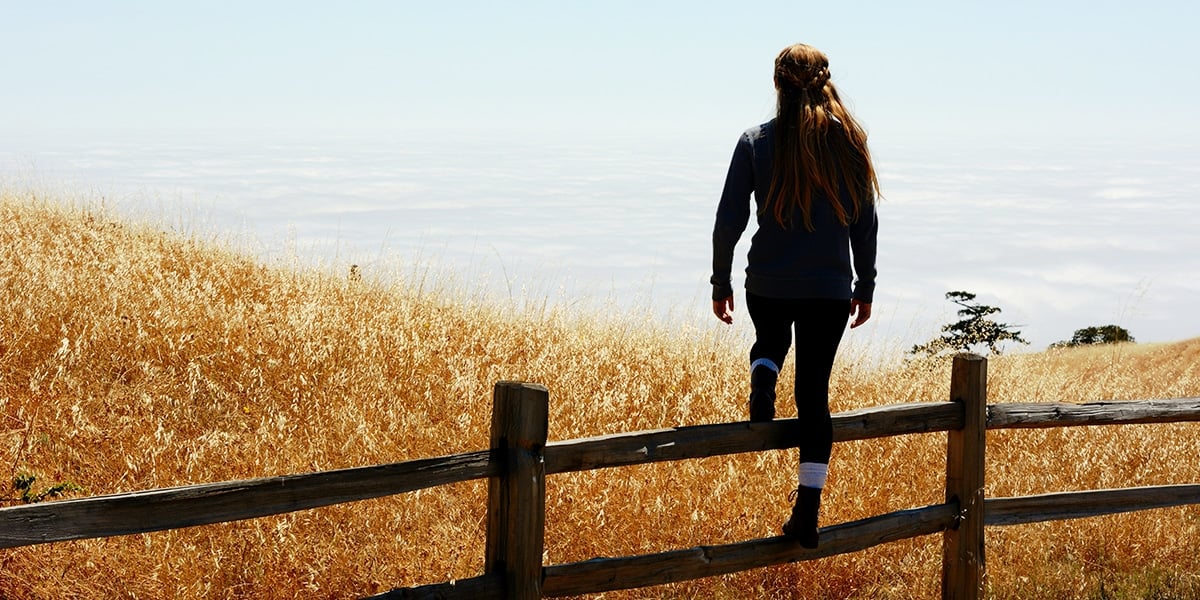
point(963, 567)
point(517, 497)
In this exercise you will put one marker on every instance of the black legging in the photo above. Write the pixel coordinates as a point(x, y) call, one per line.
point(819, 324)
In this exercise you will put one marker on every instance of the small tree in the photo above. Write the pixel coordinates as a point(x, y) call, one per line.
point(1104, 334)
point(972, 329)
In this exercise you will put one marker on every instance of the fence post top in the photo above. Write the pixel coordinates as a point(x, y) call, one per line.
point(522, 385)
point(969, 356)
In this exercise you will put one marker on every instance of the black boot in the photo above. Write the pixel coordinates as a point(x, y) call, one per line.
point(803, 524)
point(762, 393)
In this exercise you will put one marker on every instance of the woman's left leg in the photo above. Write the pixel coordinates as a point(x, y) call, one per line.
point(819, 327)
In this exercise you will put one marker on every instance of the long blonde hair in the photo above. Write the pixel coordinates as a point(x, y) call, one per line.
point(819, 146)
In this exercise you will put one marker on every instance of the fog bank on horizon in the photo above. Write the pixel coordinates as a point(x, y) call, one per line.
point(1060, 237)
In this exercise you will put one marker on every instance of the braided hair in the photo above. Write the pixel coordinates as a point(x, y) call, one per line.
point(820, 147)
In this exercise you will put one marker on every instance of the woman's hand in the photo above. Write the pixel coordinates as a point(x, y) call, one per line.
point(861, 311)
point(724, 310)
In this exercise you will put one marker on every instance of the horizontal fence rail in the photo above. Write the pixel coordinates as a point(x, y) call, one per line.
point(204, 504)
point(608, 574)
point(704, 441)
point(1057, 414)
point(1093, 503)
point(519, 459)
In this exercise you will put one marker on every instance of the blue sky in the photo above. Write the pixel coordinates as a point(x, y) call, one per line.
point(960, 68)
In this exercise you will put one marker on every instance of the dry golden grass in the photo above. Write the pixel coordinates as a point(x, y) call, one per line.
point(133, 359)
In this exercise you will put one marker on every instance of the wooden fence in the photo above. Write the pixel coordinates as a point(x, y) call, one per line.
point(520, 458)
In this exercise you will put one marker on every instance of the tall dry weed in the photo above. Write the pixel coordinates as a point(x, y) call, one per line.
point(132, 359)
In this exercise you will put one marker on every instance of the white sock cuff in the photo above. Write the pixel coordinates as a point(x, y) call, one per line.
point(765, 362)
point(812, 475)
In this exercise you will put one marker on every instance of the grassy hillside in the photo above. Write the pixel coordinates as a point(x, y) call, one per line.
point(134, 359)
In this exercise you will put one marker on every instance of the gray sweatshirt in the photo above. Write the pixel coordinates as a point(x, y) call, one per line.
point(789, 262)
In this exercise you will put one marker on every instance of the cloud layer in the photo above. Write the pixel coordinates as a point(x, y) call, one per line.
point(1059, 239)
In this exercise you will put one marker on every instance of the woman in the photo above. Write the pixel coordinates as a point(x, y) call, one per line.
point(815, 187)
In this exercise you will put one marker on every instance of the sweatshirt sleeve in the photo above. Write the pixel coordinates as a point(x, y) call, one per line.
point(733, 213)
point(863, 235)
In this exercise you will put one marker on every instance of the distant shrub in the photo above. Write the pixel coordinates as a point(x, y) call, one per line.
point(973, 329)
point(1104, 334)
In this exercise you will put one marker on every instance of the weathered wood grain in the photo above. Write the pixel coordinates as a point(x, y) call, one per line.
point(186, 506)
point(517, 495)
point(1059, 414)
point(963, 560)
point(1092, 503)
point(606, 574)
point(701, 441)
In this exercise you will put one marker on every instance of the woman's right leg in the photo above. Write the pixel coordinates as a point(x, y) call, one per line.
point(772, 340)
